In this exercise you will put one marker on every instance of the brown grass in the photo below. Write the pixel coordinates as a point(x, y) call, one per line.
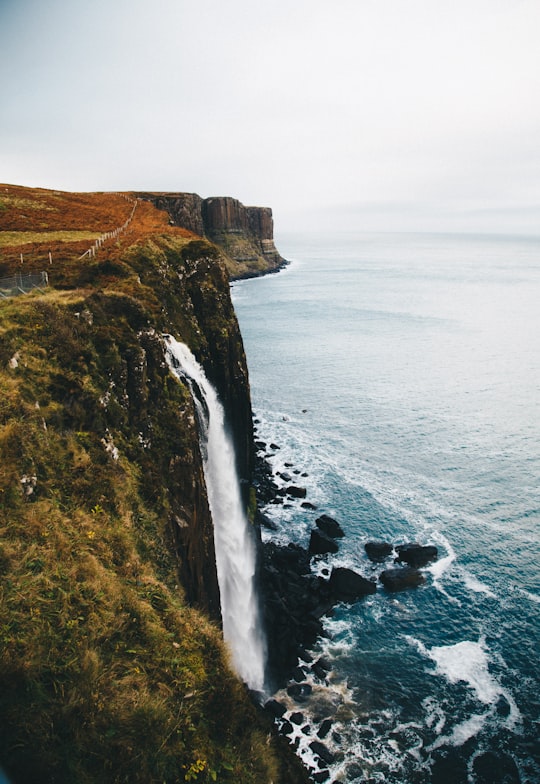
point(65, 224)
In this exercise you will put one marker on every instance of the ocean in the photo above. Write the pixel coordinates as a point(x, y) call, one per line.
point(401, 373)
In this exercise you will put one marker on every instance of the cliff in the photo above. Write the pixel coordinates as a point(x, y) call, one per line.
point(112, 665)
point(245, 234)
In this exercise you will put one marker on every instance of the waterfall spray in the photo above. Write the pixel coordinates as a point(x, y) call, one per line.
point(234, 543)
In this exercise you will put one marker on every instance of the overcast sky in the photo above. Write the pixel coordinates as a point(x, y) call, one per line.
point(375, 114)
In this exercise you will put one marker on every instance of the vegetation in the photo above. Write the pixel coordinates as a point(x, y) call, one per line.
point(106, 673)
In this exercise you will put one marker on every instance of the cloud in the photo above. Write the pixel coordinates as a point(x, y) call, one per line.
point(298, 102)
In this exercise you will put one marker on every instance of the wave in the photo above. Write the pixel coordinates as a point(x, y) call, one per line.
point(476, 586)
point(468, 662)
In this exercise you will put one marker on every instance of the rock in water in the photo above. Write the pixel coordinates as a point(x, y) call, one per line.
point(296, 492)
point(378, 551)
point(347, 585)
point(329, 526)
point(299, 691)
point(415, 554)
point(321, 751)
point(402, 578)
point(320, 543)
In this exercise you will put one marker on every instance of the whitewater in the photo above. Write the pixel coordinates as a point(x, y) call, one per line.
point(401, 373)
point(233, 539)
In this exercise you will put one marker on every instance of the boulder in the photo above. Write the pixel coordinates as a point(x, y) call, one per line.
point(378, 551)
point(415, 554)
point(297, 718)
point(320, 669)
point(324, 729)
point(320, 543)
point(299, 691)
point(299, 675)
point(321, 776)
point(286, 728)
point(347, 585)
point(329, 526)
point(296, 492)
point(275, 708)
point(321, 751)
point(402, 578)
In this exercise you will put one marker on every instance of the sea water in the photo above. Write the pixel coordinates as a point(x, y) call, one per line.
point(401, 373)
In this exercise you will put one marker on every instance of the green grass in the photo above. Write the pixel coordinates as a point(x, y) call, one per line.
point(106, 673)
point(13, 238)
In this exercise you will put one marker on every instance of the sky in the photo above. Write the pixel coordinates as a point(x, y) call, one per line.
point(420, 115)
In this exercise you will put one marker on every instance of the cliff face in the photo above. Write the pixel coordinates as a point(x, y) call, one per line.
point(245, 234)
point(109, 671)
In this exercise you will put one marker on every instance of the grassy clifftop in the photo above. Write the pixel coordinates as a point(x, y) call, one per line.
point(111, 667)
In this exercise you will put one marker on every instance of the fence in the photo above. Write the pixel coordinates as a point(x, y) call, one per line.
point(91, 252)
point(22, 284)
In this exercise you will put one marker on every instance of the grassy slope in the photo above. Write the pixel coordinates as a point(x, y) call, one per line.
point(106, 675)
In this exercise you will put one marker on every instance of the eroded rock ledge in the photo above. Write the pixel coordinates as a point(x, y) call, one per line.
point(245, 234)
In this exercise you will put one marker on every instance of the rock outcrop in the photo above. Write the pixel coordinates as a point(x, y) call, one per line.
point(245, 234)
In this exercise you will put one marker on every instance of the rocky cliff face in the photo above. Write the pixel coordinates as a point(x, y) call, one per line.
point(245, 234)
point(112, 665)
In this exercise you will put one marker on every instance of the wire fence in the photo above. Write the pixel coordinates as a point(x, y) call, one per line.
point(22, 284)
point(91, 252)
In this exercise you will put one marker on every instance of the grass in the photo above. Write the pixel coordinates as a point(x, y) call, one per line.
point(14, 238)
point(111, 670)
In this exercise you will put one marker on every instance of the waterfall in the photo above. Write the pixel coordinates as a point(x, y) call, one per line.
point(233, 537)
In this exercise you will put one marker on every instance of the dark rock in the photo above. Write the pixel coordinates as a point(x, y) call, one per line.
point(308, 505)
point(296, 492)
point(286, 728)
point(299, 675)
point(347, 585)
point(324, 729)
point(274, 447)
point(320, 668)
point(275, 708)
point(299, 691)
point(264, 521)
point(260, 444)
point(378, 551)
point(306, 729)
point(415, 554)
point(297, 717)
point(318, 671)
point(321, 775)
point(320, 543)
point(285, 476)
point(402, 578)
point(289, 465)
point(329, 526)
point(321, 751)
point(304, 474)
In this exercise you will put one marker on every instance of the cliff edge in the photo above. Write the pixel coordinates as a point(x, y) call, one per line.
point(244, 234)
point(112, 664)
